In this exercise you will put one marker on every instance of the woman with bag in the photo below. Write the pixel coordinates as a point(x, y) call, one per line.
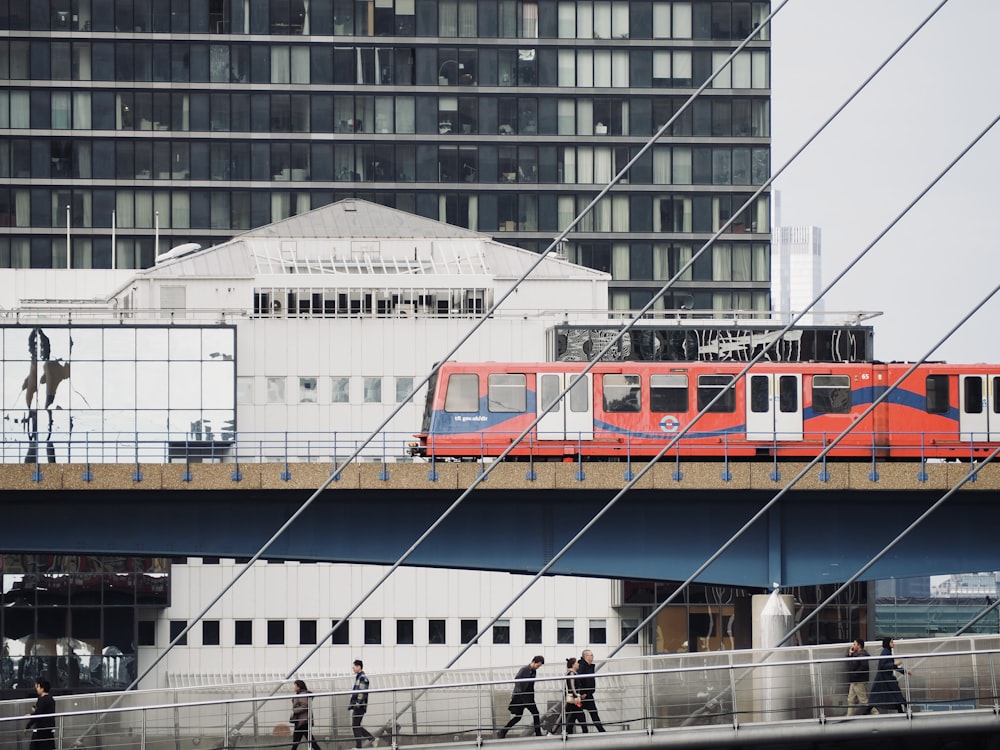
point(574, 701)
point(885, 693)
point(300, 718)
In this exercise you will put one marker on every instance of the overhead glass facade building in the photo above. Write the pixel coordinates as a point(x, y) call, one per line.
point(130, 126)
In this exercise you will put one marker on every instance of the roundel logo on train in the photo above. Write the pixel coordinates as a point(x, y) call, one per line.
point(669, 423)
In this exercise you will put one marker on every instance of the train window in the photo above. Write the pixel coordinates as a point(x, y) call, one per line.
point(788, 394)
point(549, 389)
point(579, 397)
point(996, 395)
point(668, 393)
point(709, 386)
point(760, 394)
point(463, 392)
point(508, 392)
point(938, 398)
point(973, 387)
point(831, 394)
point(621, 393)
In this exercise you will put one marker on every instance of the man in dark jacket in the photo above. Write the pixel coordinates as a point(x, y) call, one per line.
point(585, 687)
point(358, 705)
point(523, 697)
point(42, 724)
point(857, 678)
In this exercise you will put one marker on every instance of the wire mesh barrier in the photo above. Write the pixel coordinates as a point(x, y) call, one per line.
point(650, 695)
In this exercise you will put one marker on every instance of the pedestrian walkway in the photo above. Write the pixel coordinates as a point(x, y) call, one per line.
point(789, 694)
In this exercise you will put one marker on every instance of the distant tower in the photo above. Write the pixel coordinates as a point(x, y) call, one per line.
point(796, 273)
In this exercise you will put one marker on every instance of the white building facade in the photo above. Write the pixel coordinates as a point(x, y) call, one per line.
point(296, 341)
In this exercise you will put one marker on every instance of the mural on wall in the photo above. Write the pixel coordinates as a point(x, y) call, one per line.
point(107, 393)
point(717, 344)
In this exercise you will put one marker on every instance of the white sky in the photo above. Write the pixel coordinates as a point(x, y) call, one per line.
point(936, 96)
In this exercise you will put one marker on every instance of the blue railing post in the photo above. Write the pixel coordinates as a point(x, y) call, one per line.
point(432, 475)
point(629, 476)
point(286, 475)
point(88, 475)
point(237, 475)
point(873, 475)
point(922, 474)
point(530, 474)
point(726, 475)
point(775, 473)
point(580, 473)
point(137, 475)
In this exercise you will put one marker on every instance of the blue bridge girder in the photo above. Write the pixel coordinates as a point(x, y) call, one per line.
point(373, 513)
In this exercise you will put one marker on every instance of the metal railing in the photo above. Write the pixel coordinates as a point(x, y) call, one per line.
point(651, 695)
point(391, 447)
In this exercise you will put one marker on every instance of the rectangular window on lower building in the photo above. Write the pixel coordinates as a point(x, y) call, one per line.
point(176, 628)
point(341, 636)
point(147, 632)
point(243, 632)
point(469, 628)
point(307, 632)
point(629, 625)
point(435, 631)
point(598, 631)
point(564, 631)
point(275, 632)
point(373, 632)
point(501, 632)
point(532, 631)
point(404, 632)
point(210, 633)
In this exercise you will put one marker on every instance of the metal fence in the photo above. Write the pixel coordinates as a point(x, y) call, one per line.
point(647, 695)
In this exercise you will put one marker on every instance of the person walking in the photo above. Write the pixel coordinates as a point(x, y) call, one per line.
point(587, 685)
point(523, 697)
point(359, 705)
point(301, 717)
point(42, 724)
point(574, 712)
point(857, 678)
point(885, 692)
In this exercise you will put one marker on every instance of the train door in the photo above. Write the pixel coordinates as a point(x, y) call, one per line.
point(774, 406)
point(978, 408)
point(573, 417)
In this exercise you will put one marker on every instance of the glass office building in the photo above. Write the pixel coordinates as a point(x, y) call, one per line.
point(131, 126)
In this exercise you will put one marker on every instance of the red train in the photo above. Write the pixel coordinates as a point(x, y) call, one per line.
point(791, 410)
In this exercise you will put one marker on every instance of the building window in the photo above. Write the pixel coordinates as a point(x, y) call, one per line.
point(147, 632)
point(469, 628)
point(598, 631)
point(373, 390)
point(501, 632)
point(404, 632)
point(628, 626)
point(373, 632)
point(176, 628)
point(210, 633)
point(243, 632)
point(275, 632)
point(307, 390)
point(307, 632)
point(341, 636)
point(404, 386)
point(435, 631)
point(564, 631)
point(532, 631)
point(341, 390)
point(275, 390)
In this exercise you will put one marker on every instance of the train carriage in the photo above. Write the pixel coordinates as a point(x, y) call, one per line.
point(792, 410)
